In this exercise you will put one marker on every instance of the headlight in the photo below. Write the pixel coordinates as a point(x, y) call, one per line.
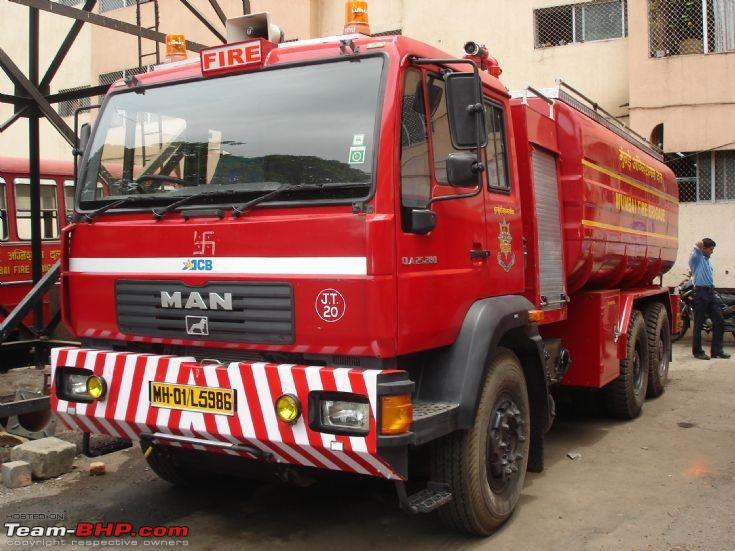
point(76, 386)
point(339, 413)
point(353, 416)
point(79, 385)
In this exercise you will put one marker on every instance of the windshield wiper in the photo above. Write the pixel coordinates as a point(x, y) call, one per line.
point(238, 210)
point(90, 216)
point(160, 213)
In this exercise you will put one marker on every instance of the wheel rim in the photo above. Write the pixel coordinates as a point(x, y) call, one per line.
point(637, 372)
point(504, 439)
point(663, 359)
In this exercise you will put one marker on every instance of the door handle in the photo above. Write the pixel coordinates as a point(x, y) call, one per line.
point(479, 254)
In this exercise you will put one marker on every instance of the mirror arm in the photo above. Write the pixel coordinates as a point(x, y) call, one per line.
point(477, 108)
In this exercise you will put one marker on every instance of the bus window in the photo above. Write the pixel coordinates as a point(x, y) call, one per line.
point(69, 198)
point(49, 209)
point(3, 212)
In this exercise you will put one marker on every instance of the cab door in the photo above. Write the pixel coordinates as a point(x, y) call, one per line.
point(506, 262)
point(440, 273)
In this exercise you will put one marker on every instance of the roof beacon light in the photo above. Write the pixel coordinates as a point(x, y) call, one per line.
point(356, 18)
point(175, 47)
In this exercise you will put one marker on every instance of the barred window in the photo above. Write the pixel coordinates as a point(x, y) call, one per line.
point(67, 108)
point(705, 177)
point(682, 27)
point(114, 76)
point(560, 25)
point(109, 5)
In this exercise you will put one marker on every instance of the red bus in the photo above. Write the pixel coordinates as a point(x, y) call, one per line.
point(57, 201)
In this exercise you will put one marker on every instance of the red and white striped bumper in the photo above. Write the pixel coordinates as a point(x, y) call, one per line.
point(126, 412)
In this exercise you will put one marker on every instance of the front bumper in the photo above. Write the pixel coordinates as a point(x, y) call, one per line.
point(253, 432)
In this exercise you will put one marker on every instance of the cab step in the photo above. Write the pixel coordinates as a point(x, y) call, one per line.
point(433, 420)
point(430, 498)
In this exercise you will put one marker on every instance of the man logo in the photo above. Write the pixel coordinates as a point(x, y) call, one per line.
point(194, 300)
point(197, 325)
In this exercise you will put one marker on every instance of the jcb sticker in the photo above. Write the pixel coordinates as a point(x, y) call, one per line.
point(197, 265)
point(330, 305)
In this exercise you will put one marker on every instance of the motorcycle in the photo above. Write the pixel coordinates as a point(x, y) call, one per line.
point(686, 305)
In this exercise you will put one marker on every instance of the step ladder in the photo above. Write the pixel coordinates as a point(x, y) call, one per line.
point(139, 21)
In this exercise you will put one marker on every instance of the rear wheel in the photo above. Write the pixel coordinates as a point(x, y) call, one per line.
point(625, 395)
point(659, 339)
point(485, 466)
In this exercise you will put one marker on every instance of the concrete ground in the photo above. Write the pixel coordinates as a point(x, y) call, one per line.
point(664, 481)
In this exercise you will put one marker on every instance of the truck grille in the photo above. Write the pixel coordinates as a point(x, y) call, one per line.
point(219, 311)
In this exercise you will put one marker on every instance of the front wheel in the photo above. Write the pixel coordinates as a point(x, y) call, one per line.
point(485, 466)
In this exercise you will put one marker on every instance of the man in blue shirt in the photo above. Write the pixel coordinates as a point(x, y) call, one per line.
point(705, 303)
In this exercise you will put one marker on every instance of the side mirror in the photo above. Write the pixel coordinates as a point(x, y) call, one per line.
point(84, 133)
point(466, 115)
point(462, 169)
point(421, 221)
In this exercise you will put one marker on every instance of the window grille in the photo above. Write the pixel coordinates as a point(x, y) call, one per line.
point(113, 76)
point(683, 27)
point(109, 5)
point(587, 22)
point(705, 177)
point(67, 108)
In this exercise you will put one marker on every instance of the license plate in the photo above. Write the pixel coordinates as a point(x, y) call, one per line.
point(192, 398)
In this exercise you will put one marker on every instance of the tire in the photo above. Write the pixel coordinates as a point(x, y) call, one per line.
point(658, 331)
point(486, 492)
point(624, 396)
point(684, 328)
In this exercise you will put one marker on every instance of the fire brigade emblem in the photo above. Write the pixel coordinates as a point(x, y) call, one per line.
point(506, 256)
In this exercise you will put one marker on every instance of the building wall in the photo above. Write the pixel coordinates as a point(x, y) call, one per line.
point(714, 220)
point(74, 71)
point(692, 95)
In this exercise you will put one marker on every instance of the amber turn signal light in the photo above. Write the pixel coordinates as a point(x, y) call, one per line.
point(535, 315)
point(396, 414)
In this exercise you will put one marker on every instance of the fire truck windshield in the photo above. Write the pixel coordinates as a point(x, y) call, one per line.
point(246, 134)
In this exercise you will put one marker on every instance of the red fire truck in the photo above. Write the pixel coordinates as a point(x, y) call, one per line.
point(57, 200)
point(358, 254)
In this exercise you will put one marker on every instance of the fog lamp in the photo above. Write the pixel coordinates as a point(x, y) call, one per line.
point(396, 414)
point(96, 387)
point(288, 408)
point(343, 415)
